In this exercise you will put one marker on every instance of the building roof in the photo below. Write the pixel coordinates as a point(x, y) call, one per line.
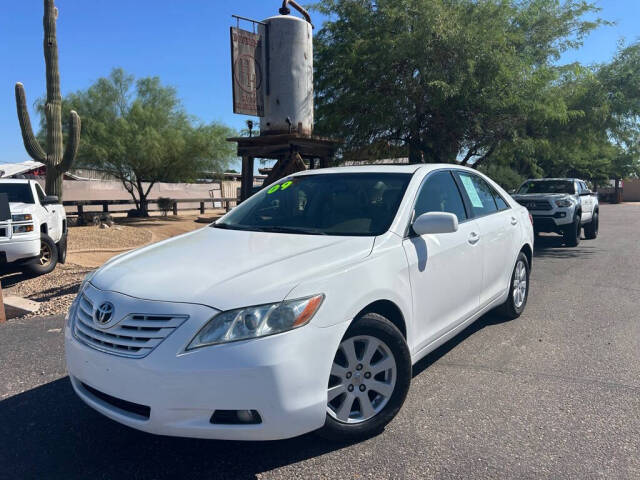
point(12, 169)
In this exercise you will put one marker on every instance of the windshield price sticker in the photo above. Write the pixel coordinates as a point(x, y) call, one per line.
point(280, 186)
point(471, 191)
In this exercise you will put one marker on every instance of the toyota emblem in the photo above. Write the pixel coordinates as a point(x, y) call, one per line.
point(103, 313)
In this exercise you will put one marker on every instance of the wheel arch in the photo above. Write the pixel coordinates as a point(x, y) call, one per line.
point(528, 252)
point(44, 228)
point(390, 311)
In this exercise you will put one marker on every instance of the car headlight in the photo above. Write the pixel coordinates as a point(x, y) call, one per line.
point(24, 217)
point(564, 202)
point(22, 228)
point(259, 321)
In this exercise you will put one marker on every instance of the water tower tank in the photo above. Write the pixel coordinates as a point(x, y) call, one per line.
point(289, 59)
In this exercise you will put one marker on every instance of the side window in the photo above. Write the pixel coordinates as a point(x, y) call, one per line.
point(479, 194)
point(40, 193)
point(440, 193)
point(502, 205)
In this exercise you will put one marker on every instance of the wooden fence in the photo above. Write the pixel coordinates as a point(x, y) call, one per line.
point(80, 205)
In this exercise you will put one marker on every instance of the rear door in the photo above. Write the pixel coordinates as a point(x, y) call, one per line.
point(499, 232)
point(445, 269)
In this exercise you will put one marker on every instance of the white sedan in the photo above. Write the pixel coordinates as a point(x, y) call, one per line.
point(302, 309)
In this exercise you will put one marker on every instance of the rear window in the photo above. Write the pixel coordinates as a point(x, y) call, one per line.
point(17, 192)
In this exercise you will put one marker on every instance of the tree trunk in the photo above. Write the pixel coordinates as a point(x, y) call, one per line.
point(53, 183)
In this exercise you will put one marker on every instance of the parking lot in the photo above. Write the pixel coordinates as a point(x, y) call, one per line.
point(553, 394)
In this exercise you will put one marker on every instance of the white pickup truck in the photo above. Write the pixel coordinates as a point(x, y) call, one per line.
point(561, 205)
point(35, 237)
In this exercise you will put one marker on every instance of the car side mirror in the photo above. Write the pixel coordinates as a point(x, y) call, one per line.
point(435, 222)
point(49, 200)
point(512, 191)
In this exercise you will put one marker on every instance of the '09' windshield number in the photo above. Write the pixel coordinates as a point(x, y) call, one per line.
point(279, 186)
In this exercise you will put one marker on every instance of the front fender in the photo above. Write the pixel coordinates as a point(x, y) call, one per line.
point(383, 275)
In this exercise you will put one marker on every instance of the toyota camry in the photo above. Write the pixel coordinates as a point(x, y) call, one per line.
point(303, 308)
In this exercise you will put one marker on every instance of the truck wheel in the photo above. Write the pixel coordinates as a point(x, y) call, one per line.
point(591, 229)
point(62, 249)
point(48, 258)
point(571, 233)
point(369, 380)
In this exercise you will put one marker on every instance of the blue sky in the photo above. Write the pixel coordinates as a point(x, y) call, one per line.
point(185, 43)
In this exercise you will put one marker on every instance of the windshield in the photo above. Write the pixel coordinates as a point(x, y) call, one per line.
point(323, 204)
point(17, 192)
point(547, 186)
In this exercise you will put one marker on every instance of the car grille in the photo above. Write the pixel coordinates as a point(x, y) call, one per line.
point(536, 204)
point(135, 336)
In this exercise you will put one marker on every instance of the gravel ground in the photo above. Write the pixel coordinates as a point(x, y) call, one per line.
point(54, 291)
point(118, 236)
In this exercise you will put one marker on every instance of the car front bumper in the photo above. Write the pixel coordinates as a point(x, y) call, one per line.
point(283, 377)
point(551, 221)
point(15, 249)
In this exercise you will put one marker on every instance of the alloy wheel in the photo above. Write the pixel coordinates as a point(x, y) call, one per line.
point(45, 254)
point(519, 284)
point(362, 380)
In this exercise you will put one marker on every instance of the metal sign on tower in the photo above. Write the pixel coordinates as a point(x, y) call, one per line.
point(247, 72)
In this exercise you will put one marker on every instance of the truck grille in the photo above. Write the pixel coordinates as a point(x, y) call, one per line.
point(536, 204)
point(135, 336)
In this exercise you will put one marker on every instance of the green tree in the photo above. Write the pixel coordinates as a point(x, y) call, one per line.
point(447, 80)
point(139, 132)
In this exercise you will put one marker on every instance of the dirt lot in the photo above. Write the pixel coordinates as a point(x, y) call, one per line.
point(90, 247)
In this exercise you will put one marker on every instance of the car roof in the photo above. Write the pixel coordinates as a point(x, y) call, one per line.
point(406, 168)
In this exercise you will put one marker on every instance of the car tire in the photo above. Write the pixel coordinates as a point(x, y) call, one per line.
point(591, 228)
point(62, 249)
point(372, 355)
point(48, 258)
point(513, 307)
point(571, 233)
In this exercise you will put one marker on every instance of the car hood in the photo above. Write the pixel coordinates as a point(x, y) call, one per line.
point(540, 196)
point(227, 269)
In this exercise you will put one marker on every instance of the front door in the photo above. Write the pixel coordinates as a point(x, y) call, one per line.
point(445, 269)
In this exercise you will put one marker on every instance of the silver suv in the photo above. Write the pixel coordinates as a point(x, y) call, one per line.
point(561, 205)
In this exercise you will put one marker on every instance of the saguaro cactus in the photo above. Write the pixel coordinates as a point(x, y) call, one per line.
point(57, 163)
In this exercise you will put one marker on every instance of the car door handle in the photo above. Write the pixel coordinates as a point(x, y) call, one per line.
point(473, 238)
point(514, 221)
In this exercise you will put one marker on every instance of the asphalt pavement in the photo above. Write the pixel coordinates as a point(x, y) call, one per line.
point(553, 394)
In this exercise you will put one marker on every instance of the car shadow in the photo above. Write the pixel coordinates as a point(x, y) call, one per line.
point(553, 246)
point(49, 433)
point(488, 319)
point(11, 275)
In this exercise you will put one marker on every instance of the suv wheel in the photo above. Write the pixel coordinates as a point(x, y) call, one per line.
point(48, 258)
point(369, 380)
point(591, 229)
point(571, 233)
